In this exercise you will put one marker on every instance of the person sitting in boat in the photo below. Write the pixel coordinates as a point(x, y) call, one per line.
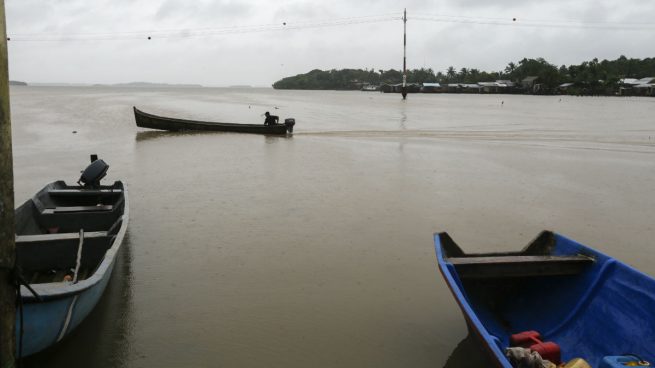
point(271, 119)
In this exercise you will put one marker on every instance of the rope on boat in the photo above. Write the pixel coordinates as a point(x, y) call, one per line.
point(79, 257)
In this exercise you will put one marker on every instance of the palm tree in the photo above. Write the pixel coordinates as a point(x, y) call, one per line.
point(451, 73)
point(509, 69)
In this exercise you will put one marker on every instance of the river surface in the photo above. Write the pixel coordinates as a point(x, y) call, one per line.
point(317, 250)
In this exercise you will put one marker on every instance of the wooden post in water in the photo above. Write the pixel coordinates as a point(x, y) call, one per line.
point(7, 237)
point(404, 91)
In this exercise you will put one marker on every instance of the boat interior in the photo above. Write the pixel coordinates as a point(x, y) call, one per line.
point(53, 225)
point(589, 304)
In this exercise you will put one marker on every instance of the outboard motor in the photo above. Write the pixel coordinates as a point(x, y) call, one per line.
point(290, 122)
point(93, 173)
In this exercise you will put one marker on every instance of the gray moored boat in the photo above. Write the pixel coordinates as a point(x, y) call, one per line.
point(67, 239)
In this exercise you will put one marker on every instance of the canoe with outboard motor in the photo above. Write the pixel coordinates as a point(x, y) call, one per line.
point(556, 295)
point(145, 120)
point(67, 239)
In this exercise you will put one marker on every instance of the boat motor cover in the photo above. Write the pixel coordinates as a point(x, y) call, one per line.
point(289, 123)
point(93, 173)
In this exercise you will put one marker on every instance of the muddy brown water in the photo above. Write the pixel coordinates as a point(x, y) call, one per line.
point(316, 249)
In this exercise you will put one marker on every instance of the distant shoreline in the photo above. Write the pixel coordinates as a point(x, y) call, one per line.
point(131, 85)
point(120, 85)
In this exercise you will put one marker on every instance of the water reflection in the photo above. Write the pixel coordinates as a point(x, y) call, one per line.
point(159, 134)
point(276, 138)
point(403, 119)
point(469, 354)
point(103, 337)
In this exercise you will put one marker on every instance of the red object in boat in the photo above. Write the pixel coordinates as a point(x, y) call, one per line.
point(549, 351)
point(525, 339)
point(532, 340)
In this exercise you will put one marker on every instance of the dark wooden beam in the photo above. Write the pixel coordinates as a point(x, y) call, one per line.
point(7, 246)
point(83, 192)
point(101, 208)
point(518, 266)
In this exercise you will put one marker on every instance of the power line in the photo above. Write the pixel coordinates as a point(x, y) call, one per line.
point(554, 24)
point(559, 20)
point(202, 32)
point(348, 21)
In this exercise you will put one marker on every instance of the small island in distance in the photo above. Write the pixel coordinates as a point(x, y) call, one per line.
point(622, 76)
point(149, 85)
point(17, 83)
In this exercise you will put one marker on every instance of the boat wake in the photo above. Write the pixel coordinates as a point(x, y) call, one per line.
point(638, 143)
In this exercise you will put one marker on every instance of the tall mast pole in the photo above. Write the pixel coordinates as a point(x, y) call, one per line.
point(7, 245)
point(404, 91)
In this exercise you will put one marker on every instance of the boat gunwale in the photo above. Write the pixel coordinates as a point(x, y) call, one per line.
point(470, 316)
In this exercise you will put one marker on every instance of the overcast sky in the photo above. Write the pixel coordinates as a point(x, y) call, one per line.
point(197, 41)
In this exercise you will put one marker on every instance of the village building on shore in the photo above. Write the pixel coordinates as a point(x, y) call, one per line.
point(529, 85)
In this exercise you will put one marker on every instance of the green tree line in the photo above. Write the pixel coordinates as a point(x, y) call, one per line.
point(593, 75)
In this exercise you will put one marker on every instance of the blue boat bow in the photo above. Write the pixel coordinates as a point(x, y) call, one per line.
point(590, 304)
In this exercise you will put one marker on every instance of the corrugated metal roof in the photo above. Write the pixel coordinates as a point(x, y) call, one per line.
point(635, 82)
point(431, 85)
point(629, 81)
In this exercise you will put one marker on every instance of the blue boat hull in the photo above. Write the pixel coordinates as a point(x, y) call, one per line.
point(45, 323)
point(607, 309)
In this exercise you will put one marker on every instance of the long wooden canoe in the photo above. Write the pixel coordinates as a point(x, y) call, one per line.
point(145, 120)
point(591, 305)
point(67, 238)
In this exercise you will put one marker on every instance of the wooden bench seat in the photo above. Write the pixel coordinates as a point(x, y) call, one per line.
point(101, 208)
point(83, 192)
point(518, 265)
point(58, 236)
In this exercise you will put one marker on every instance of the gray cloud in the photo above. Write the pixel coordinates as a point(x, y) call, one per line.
point(260, 58)
point(181, 10)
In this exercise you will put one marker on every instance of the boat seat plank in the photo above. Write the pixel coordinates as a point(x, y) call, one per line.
point(83, 192)
point(60, 236)
point(101, 208)
point(519, 265)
